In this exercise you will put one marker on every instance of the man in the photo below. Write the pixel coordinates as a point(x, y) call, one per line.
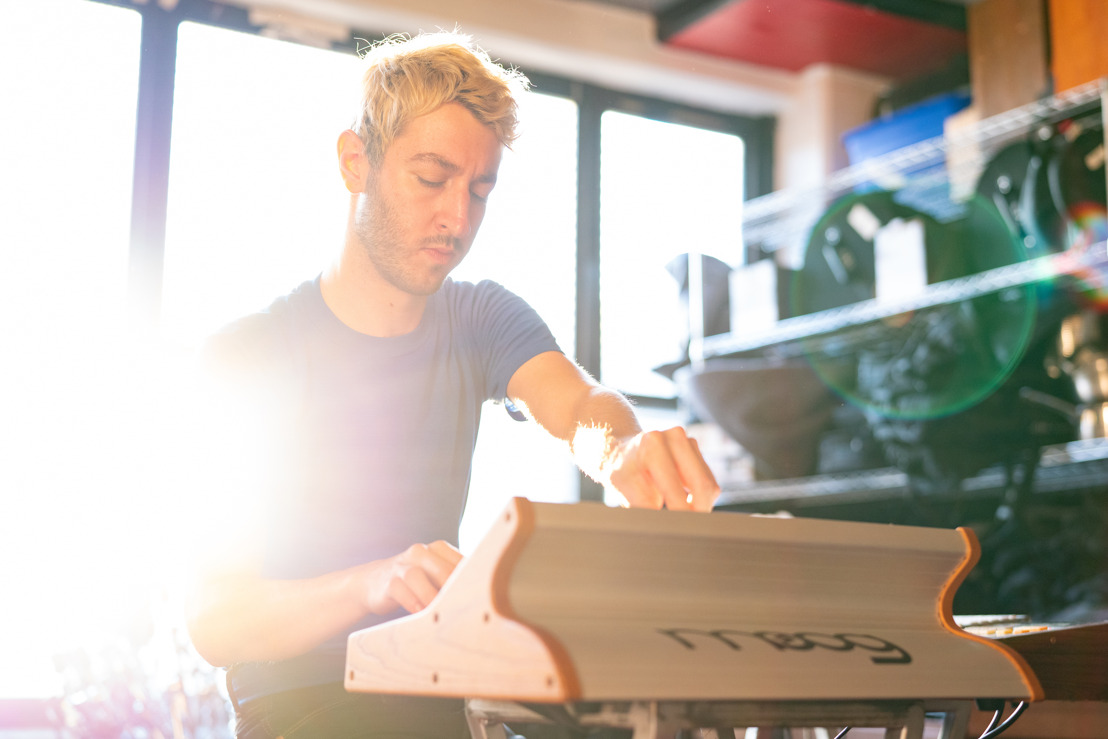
point(366, 386)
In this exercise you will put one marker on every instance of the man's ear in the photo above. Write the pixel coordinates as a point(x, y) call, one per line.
point(353, 163)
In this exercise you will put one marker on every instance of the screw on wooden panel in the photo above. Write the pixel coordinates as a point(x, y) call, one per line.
point(434, 677)
point(351, 674)
point(549, 681)
point(508, 517)
point(435, 617)
point(485, 617)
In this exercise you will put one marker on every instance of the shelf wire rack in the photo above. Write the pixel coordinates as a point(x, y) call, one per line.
point(796, 210)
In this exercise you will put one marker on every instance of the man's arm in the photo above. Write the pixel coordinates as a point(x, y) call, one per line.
point(236, 616)
point(649, 469)
point(233, 613)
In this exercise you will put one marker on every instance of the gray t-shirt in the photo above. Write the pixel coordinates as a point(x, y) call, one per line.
point(375, 436)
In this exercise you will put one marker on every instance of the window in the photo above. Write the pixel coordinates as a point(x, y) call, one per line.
point(256, 205)
point(68, 145)
point(666, 190)
point(67, 141)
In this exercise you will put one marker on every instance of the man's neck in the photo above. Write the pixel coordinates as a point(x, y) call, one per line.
point(365, 302)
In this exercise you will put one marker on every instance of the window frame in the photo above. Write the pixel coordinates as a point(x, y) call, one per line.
point(757, 133)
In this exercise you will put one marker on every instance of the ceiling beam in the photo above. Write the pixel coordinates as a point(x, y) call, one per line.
point(937, 12)
point(676, 17)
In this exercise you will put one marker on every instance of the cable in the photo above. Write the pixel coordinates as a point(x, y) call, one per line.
point(996, 719)
point(842, 733)
point(999, 729)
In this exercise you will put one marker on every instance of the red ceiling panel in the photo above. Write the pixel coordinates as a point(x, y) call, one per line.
point(792, 34)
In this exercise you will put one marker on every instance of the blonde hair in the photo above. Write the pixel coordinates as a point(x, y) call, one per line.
point(406, 77)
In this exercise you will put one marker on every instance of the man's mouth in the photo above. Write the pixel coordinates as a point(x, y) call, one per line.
point(439, 254)
point(441, 251)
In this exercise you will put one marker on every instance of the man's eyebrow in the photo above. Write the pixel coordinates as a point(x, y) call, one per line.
point(442, 162)
point(438, 160)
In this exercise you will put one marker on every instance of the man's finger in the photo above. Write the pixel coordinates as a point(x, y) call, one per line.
point(415, 585)
point(401, 595)
point(697, 478)
point(637, 488)
point(441, 563)
point(436, 560)
point(661, 470)
point(446, 551)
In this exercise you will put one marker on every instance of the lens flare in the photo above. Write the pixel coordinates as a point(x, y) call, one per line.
point(1089, 231)
point(933, 361)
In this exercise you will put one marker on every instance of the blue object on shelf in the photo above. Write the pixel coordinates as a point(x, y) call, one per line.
point(909, 125)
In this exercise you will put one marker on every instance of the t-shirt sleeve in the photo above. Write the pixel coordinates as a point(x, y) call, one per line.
point(510, 332)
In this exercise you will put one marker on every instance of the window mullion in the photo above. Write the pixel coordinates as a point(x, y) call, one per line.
point(591, 103)
point(153, 129)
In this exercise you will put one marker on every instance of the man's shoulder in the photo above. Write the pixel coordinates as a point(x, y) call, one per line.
point(477, 296)
point(266, 332)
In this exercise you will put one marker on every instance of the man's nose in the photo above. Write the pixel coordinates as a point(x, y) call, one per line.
point(454, 213)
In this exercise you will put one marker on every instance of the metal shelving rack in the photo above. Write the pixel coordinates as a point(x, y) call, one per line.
point(769, 217)
point(1075, 465)
point(779, 217)
point(827, 322)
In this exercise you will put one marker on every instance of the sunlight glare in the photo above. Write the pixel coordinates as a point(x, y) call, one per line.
point(67, 142)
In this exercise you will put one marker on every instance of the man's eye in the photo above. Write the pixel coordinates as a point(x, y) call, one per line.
point(479, 197)
point(429, 183)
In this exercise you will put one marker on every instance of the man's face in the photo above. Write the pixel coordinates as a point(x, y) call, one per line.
point(421, 208)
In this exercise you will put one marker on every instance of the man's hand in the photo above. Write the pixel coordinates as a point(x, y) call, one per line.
point(662, 468)
point(241, 617)
point(651, 469)
point(411, 579)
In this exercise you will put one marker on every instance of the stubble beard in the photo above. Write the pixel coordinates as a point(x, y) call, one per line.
point(378, 228)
